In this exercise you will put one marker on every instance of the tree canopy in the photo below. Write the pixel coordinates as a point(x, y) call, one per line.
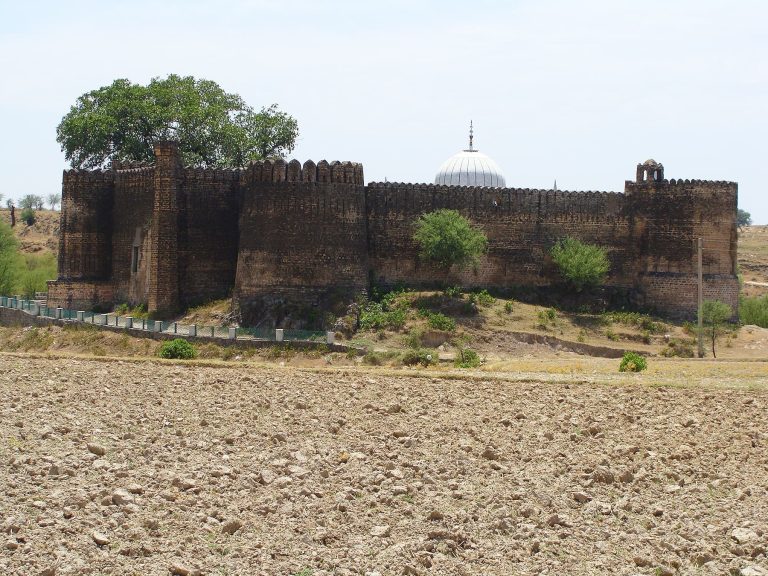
point(743, 218)
point(582, 265)
point(446, 238)
point(124, 120)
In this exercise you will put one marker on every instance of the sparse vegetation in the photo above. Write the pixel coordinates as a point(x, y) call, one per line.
point(754, 311)
point(418, 356)
point(714, 314)
point(467, 358)
point(28, 216)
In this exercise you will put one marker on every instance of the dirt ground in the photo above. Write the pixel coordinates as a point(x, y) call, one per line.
point(153, 468)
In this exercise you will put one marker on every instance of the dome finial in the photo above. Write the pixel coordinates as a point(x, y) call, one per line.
point(471, 136)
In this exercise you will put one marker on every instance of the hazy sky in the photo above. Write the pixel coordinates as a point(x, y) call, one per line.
point(578, 91)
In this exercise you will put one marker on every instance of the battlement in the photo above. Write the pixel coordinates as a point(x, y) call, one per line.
point(281, 171)
point(76, 176)
point(471, 189)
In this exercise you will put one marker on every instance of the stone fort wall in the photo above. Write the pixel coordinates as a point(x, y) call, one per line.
point(277, 234)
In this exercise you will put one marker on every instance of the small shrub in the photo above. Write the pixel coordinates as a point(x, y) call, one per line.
point(420, 356)
point(646, 337)
point(582, 336)
point(440, 321)
point(581, 265)
point(452, 292)
point(177, 348)
point(508, 307)
point(632, 362)
point(677, 349)
point(28, 216)
point(467, 358)
point(482, 298)
point(413, 338)
point(551, 314)
point(611, 335)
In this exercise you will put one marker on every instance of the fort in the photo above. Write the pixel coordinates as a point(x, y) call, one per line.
point(278, 234)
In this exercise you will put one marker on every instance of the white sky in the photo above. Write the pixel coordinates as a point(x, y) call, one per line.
point(578, 91)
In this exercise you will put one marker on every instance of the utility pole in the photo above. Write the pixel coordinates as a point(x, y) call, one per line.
point(700, 337)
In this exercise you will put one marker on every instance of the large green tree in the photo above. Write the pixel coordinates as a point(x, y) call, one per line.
point(124, 120)
point(447, 239)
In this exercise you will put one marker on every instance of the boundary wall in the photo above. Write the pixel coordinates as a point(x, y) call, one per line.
point(288, 240)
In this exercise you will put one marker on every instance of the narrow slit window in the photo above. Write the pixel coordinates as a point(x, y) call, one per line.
point(135, 260)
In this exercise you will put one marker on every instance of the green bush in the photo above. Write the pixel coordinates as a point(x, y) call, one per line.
point(632, 362)
point(446, 238)
point(28, 216)
point(374, 316)
point(754, 311)
point(419, 356)
point(452, 292)
point(482, 298)
point(508, 307)
point(440, 321)
point(177, 348)
point(581, 265)
point(467, 358)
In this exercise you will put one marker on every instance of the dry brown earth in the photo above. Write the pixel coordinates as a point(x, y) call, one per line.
point(150, 468)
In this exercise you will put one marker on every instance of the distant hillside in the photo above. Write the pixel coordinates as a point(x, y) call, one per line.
point(42, 236)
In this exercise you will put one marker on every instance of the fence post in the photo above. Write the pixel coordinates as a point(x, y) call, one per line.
point(158, 326)
point(175, 328)
point(128, 322)
point(330, 337)
point(233, 333)
point(80, 315)
point(192, 330)
point(59, 311)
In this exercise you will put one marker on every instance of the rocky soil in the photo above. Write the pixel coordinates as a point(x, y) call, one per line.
point(155, 469)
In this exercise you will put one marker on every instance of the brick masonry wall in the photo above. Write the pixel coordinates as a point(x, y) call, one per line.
point(521, 225)
point(80, 295)
point(208, 234)
point(278, 232)
point(302, 236)
point(86, 225)
point(164, 248)
point(131, 225)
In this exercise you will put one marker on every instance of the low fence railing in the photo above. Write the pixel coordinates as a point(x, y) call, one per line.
point(34, 308)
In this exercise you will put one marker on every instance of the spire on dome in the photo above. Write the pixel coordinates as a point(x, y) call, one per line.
point(471, 137)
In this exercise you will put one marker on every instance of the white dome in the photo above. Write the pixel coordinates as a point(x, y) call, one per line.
point(470, 168)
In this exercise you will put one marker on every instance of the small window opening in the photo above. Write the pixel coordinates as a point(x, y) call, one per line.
point(135, 260)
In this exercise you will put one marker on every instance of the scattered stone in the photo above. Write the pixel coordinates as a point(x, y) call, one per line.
point(642, 561)
point(490, 453)
point(179, 569)
point(664, 571)
point(97, 449)
point(100, 538)
point(744, 535)
point(753, 571)
point(380, 531)
point(266, 476)
point(135, 489)
point(231, 526)
point(122, 497)
point(183, 484)
point(582, 497)
point(557, 520)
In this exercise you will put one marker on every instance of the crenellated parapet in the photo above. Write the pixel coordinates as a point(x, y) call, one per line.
point(281, 171)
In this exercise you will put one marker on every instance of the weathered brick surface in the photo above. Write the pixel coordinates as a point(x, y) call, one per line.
point(302, 236)
point(279, 232)
point(80, 295)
